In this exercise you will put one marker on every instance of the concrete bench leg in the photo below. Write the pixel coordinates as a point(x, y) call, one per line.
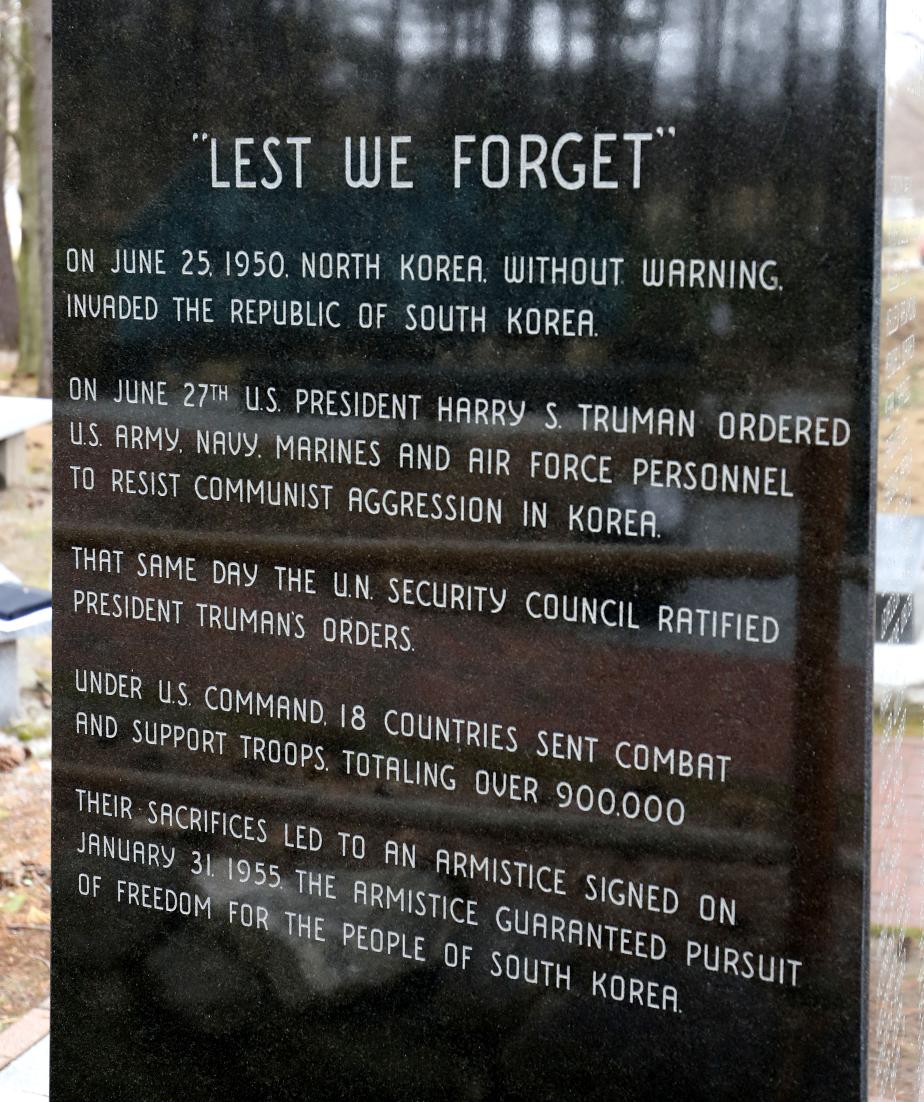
point(13, 461)
point(9, 682)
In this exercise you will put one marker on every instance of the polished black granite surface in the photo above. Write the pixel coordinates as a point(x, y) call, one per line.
point(539, 775)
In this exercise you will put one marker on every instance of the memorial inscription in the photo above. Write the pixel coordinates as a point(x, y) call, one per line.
point(462, 548)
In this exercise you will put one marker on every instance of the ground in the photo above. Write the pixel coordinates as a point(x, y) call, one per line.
point(902, 431)
point(25, 887)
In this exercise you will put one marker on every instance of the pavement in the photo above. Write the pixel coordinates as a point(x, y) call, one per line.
point(897, 896)
point(26, 1078)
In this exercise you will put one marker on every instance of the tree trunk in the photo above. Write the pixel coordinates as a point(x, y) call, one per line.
point(519, 34)
point(9, 298)
point(41, 53)
point(33, 139)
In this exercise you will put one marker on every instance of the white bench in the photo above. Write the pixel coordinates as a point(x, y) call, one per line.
point(37, 622)
point(16, 416)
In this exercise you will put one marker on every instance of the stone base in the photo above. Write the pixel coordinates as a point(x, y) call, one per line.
point(13, 461)
point(9, 682)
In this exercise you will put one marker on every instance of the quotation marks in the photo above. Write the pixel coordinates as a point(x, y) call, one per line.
point(669, 130)
point(197, 137)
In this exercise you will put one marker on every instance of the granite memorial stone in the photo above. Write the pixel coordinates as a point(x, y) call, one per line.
point(462, 587)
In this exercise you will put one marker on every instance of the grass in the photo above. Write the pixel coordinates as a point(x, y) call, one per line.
point(914, 722)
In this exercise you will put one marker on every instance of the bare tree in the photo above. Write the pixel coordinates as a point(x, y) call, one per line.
point(566, 16)
point(41, 53)
point(391, 69)
point(9, 298)
point(33, 141)
point(519, 33)
point(607, 19)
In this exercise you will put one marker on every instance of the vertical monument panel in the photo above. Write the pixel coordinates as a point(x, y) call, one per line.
point(462, 548)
